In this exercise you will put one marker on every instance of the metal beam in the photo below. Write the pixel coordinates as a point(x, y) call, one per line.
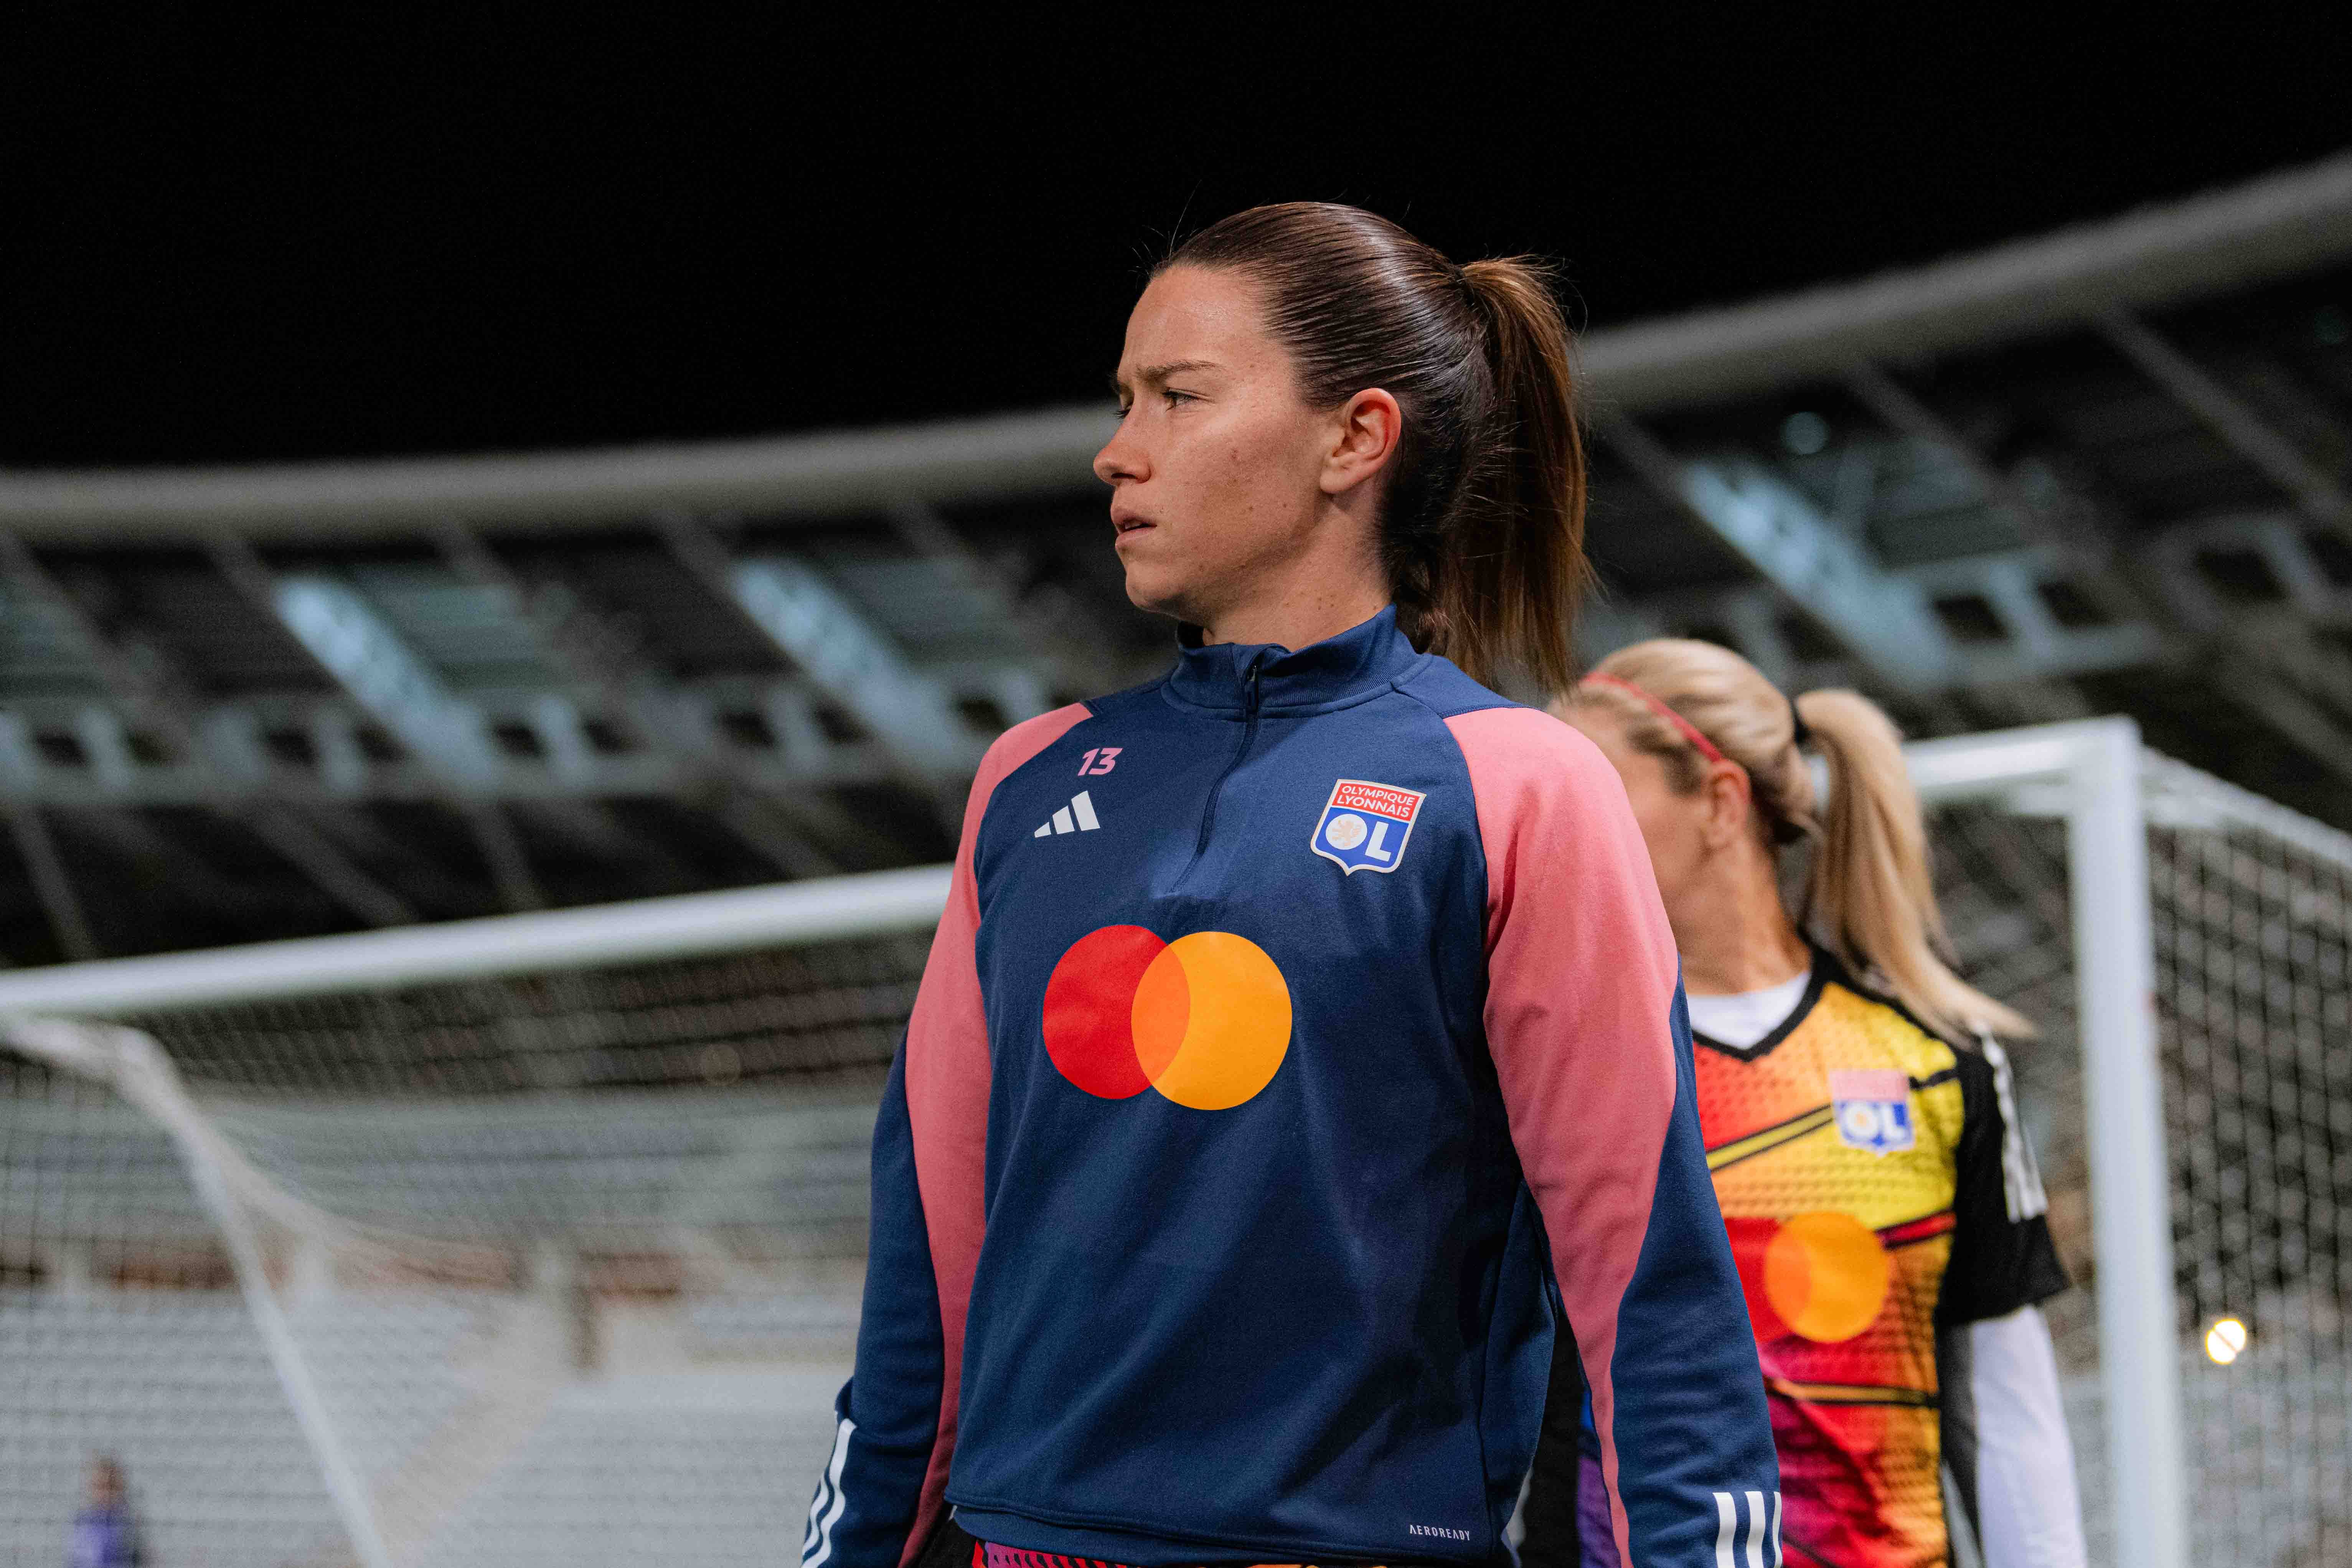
point(2292, 222)
point(2083, 556)
point(361, 654)
point(1748, 617)
point(603, 663)
point(1905, 412)
point(238, 769)
point(2277, 668)
point(1890, 616)
point(2320, 734)
point(38, 848)
point(829, 473)
point(2308, 596)
point(502, 848)
point(368, 660)
point(2035, 644)
point(1066, 634)
point(2267, 658)
point(157, 697)
point(2295, 221)
point(135, 837)
point(844, 654)
point(1888, 622)
point(2229, 416)
point(1790, 544)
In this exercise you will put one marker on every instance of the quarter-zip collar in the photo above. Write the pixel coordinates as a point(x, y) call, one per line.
point(1362, 661)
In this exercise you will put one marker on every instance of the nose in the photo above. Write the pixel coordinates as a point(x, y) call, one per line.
point(1121, 457)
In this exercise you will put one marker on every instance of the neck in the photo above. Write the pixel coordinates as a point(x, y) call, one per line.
point(1297, 620)
point(1331, 580)
point(1733, 932)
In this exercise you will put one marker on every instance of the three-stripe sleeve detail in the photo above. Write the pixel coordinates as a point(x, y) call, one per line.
point(2020, 1183)
point(825, 1508)
point(1760, 1533)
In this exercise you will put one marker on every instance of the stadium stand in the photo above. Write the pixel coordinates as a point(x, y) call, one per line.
point(553, 1243)
point(2095, 471)
point(177, 1386)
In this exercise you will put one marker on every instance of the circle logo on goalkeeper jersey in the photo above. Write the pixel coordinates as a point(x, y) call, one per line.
point(1204, 1020)
point(1825, 1276)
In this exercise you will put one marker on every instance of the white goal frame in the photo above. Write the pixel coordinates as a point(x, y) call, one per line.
point(2089, 772)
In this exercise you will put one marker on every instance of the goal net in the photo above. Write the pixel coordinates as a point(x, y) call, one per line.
point(524, 1241)
point(539, 1240)
point(2192, 1104)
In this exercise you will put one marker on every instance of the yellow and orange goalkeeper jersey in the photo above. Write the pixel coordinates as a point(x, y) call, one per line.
point(1880, 1198)
point(1879, 1194)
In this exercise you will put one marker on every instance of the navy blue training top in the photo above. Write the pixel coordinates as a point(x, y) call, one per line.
point(1302, 1032)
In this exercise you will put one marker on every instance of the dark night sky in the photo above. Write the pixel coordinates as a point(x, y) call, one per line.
point(241, 241)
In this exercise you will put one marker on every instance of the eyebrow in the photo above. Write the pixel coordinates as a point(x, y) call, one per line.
point(1154, 374)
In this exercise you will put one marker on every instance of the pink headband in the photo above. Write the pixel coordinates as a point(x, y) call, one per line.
point(1689, 731)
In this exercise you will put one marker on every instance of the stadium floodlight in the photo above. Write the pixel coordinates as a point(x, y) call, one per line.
point(550, 1227)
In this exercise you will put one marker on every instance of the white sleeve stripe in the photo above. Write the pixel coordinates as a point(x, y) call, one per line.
point(2020, 1185)
point(1727, 1529)
point(816, 1547)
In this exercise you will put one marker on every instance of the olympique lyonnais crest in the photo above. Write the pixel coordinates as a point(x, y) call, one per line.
point(1365, 826)
point(1873, 1110)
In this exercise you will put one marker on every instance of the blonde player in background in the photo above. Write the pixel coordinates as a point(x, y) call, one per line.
point(1861, 1129)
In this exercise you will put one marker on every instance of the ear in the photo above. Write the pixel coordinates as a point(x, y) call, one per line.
point(1365, 431)
point(1729, 804)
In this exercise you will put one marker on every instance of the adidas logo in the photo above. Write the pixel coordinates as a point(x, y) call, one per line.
point(1078, 817)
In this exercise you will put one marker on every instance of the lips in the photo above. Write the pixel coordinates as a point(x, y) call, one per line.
point(1127, 525)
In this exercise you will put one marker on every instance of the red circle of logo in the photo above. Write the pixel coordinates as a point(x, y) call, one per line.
point(1204, 1019)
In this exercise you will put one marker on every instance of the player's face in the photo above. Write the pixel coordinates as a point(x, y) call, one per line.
point(1215, 469)
point(1674, 825)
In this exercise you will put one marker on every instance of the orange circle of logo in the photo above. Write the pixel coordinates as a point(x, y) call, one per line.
point(1826, 1275)
point(1204, 1019)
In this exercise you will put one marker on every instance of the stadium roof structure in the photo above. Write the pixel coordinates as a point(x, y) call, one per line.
point(2107, 470)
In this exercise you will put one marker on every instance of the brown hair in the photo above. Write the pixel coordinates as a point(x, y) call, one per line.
point(1482, 523)
point(1869, 896)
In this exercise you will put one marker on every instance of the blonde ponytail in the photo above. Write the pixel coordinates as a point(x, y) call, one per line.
point(1869, 897)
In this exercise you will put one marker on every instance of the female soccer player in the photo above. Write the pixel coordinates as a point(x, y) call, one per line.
point(1295, 1018)
point(1860, 1123)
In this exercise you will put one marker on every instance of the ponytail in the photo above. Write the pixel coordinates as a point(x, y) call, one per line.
point(1512, 568)
point(1869, 895)
point(1482, 519)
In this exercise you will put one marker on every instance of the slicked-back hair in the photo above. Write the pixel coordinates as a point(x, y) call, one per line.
point(1482, 519)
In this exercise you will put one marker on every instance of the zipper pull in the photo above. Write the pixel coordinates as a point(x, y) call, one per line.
point(1252, 698)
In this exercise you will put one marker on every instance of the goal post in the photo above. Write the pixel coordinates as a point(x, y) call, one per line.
point(549, 1226)
point(682, 926)
point(2089, 772)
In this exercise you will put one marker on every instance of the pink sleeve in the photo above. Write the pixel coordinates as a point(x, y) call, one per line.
point(947, 1089)
point(1581, 975)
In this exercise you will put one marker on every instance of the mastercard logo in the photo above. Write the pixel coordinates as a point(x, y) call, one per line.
point(1204, 1020)
point(1823, 1277)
